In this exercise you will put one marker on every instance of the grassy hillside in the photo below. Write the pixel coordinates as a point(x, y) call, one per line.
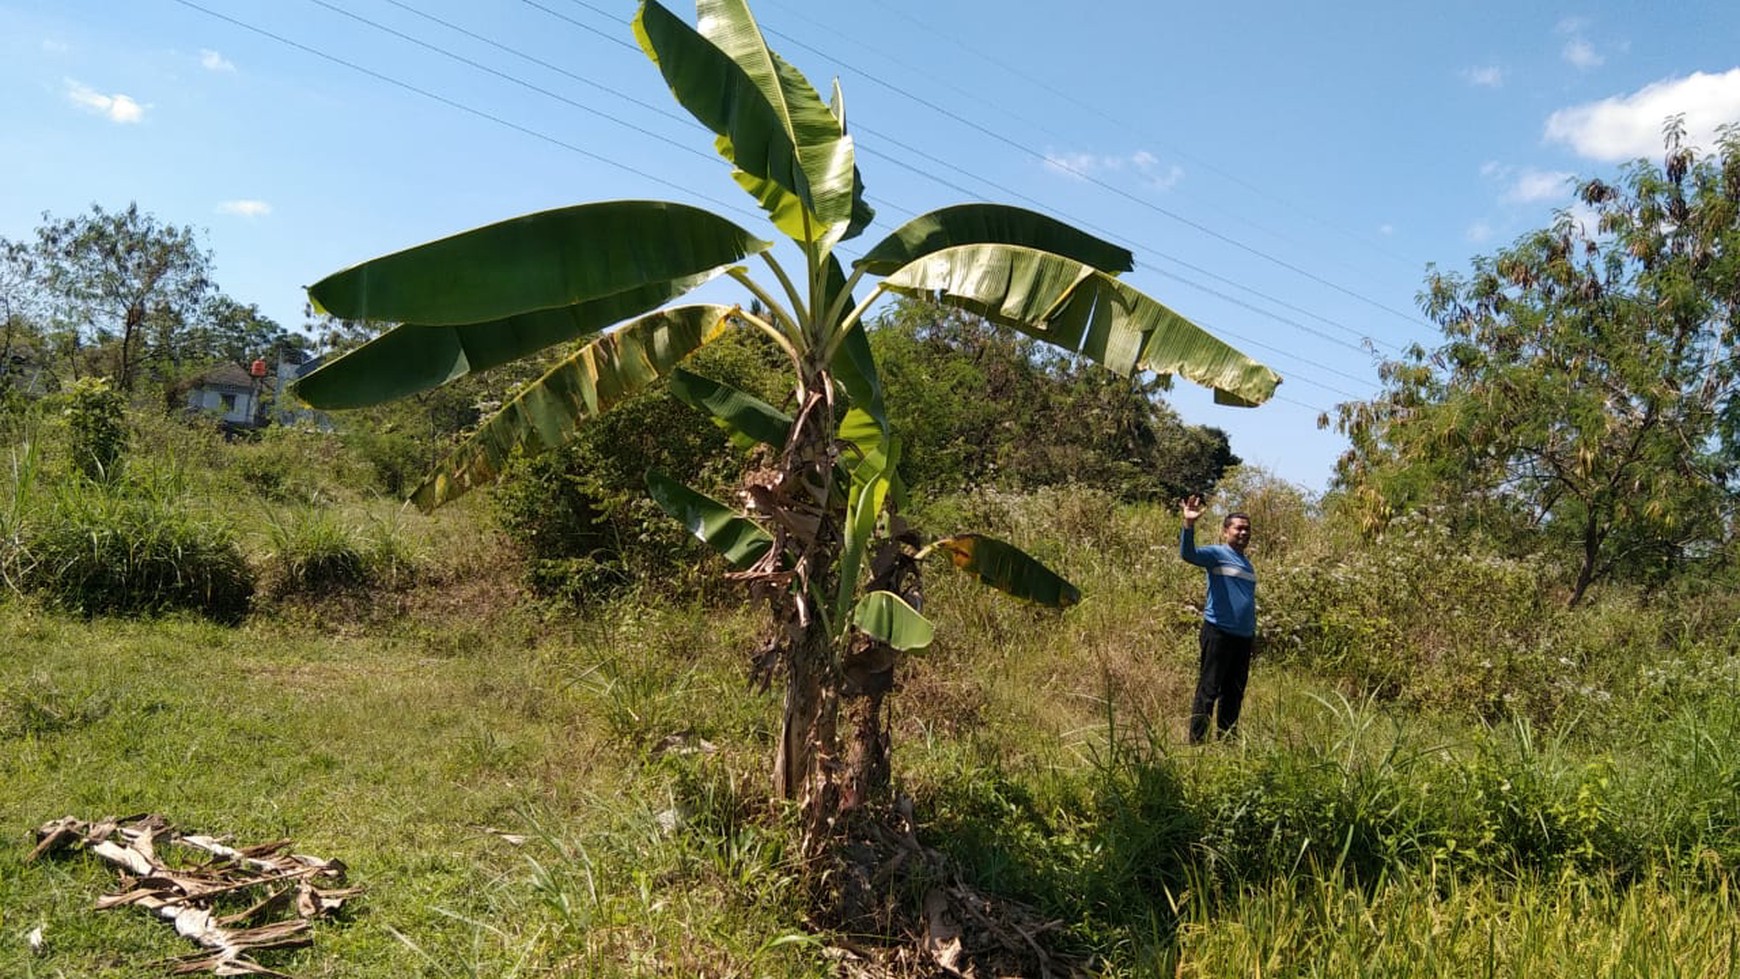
point(1441, 772)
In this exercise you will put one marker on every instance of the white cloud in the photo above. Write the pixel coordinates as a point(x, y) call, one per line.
point(1579, 52)
point(1629, 126)
point(1493, 168)
point(1077, 165)
point(1532, 186)
point(245, 208)
point(117, 107)
point(1484, 76)
point(51, 46)
point(1478, 232)
point(1578, 49)
point(1386, 230)
point(212, 61)
point(1144, 164)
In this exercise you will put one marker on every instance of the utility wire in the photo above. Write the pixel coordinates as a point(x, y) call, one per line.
point(514, 79)
point(1074, 171)
point(1027, 124)
point(1126, 240)
point(1111, 188)
point(1172, 150)
point(1141, 247)
point(453, 104)
point(566, 145)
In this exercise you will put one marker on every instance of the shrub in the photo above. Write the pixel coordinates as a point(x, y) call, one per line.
point(97, 417)
point(284, 465)
point(951, 378)
point(398, 461)
point(582, 513)
point(313, 552)
point(128, 549)
point(1418, 614)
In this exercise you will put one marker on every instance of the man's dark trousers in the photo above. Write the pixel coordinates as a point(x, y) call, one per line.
point(1226, 664)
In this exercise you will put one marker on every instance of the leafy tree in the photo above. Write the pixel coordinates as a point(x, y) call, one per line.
point(951, 376)
point(123, 281)
point(21, 315)
point(816, 536)
point(1585, 394)
point(228, 331)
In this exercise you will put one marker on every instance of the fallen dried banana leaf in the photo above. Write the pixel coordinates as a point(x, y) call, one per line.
point(282, 886)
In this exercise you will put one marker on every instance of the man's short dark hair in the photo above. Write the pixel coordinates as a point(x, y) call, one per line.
point(1235, 515)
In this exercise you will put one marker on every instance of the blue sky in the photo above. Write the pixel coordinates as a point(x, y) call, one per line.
point(1284, 174)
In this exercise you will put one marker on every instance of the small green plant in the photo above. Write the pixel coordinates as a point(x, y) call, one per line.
point(97, 416)
point(26, 459)
point(313, 551)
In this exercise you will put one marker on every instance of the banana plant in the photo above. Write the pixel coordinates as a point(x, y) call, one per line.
point(814, 531)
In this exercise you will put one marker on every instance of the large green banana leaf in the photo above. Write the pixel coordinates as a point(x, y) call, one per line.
point(539, 261)
point(886, 617)
point(1007, 568)
point(872, 476)
point(748, 418)
point(733, 535)
point(991, 224)
point(854, 364)
point(862, 212)
point(818, 129)
point(410, 359)
point(547, 412)
point(771, 123)
point(1080, 309)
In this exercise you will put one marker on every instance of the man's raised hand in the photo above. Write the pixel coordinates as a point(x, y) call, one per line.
point(1190, 508)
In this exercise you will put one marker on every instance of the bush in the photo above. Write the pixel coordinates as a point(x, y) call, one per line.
point(97, 417)
point(951, 379)
point(285, 465)
point(132, 549)
point(1420, 615)
point(314, 552)
point(398, 461)
point(581, 512)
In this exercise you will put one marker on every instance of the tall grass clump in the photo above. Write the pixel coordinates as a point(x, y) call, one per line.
point(1556, 926)
point(316, 550)
point(130, 547)
point(285, 465)
point(313, 550)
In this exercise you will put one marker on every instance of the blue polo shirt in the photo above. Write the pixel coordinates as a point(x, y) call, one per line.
point(1232, 584)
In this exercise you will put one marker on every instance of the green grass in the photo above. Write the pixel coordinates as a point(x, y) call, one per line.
point(1573, 810)
point(396, 756)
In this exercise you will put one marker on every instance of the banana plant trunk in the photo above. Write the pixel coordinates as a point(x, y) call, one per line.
point(867, 681)
point(799, 501)
point(806, 766)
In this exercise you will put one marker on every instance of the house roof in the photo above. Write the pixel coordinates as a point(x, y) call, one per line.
point(226, 376)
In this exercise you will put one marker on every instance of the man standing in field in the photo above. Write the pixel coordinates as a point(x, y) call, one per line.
point(1229, 621)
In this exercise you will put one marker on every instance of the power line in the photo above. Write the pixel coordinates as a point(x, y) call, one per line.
point(1142, 247)
point(514, 79)
point(1172, 150)
point(1029, 124)
point(566, 145)
point(1124, 239)
point(1111, 188)
point(453, 104)
point(1049, 161)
